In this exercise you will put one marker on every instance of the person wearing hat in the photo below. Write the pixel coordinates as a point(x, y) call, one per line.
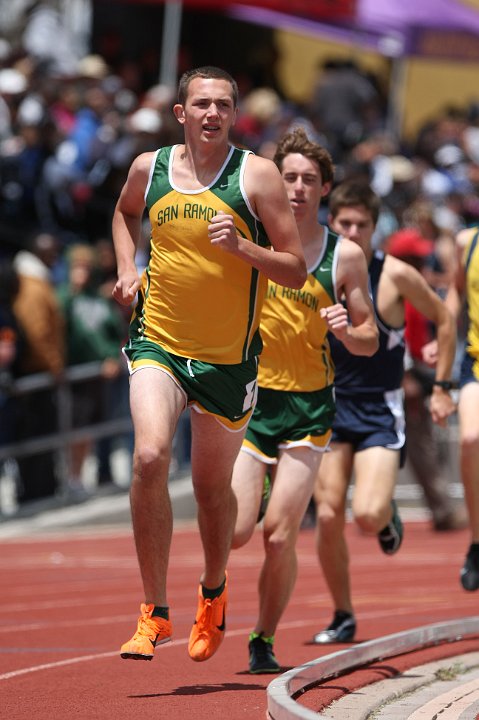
point(369, 427)
point(409, 243)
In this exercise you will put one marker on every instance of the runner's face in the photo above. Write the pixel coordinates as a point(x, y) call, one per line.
point(354, 223)
point(209, 109)
point(304, 185)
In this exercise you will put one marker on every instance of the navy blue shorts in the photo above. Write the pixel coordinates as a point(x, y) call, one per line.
point(371, 421)
point(469, 370)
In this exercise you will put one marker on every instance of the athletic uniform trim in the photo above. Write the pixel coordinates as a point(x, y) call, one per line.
point(296, 354)
point(198, 308)
point(228, 392)
point(242, 187)
point(335, 268)
point(470, 360)
point(150, 174)
point(296, 396)
point(197, 300)
point(205, 187)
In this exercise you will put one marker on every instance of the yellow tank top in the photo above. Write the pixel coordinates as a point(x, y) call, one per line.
point(196, 300)
point(472, 284)
point(296, 354)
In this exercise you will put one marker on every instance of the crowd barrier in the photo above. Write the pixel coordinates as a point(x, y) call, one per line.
point(65, 434)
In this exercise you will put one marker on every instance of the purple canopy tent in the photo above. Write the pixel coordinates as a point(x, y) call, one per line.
point(433, 28)
point(398, 29)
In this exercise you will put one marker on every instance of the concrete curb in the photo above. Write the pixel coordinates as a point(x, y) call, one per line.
point(280, 692)
point(397, 698)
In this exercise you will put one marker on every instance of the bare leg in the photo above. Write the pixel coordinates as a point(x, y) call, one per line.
point(213, 453)
point(469, 453)
point(248, 478)
point(376, 471)
point(330, 494)
point(292, 489)
point(156, 404)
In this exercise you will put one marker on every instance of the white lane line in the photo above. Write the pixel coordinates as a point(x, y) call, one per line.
point(100, 656)
point(49, 666)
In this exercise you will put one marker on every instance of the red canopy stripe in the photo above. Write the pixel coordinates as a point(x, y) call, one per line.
point(319, 9)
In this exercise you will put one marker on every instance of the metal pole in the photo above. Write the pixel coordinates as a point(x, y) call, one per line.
point(64, 418)
point(170, 43)
point(396, 99)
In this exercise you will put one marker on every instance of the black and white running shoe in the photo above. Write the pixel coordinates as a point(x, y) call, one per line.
point(342, 629)
point(470, 571)
point(390, 537)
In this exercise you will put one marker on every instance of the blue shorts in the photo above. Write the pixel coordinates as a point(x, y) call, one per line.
point(469, 369)
point(371, 421)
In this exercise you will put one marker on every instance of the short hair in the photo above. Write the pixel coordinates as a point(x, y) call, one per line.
point(354, 192)
point(206, 71)
point(297, 141)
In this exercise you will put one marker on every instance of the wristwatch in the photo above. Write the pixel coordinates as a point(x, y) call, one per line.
point(444, 384)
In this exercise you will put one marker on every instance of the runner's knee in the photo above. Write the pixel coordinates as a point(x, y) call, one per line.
point(370, 520)
point(330, 519)
point(149, 460)
point(278, 541)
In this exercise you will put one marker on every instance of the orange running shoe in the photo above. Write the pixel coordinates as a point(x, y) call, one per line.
point(208, 630)
point(151, 631)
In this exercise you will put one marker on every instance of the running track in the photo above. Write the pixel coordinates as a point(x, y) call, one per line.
point(70, 599)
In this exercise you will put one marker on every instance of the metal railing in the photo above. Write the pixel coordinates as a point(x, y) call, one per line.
point(65, 434)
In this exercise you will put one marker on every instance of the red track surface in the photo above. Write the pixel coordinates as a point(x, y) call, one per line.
point(68, 601)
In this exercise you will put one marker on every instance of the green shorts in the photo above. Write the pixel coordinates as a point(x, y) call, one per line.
point(227, 391)
point(284, 420)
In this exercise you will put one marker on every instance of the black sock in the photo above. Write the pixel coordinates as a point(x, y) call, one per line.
point(212, 594)
point(162, 612)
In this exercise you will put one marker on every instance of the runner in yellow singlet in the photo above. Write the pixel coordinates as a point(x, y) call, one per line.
point(291, 424)
point(467, 290)
point(215, 214)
